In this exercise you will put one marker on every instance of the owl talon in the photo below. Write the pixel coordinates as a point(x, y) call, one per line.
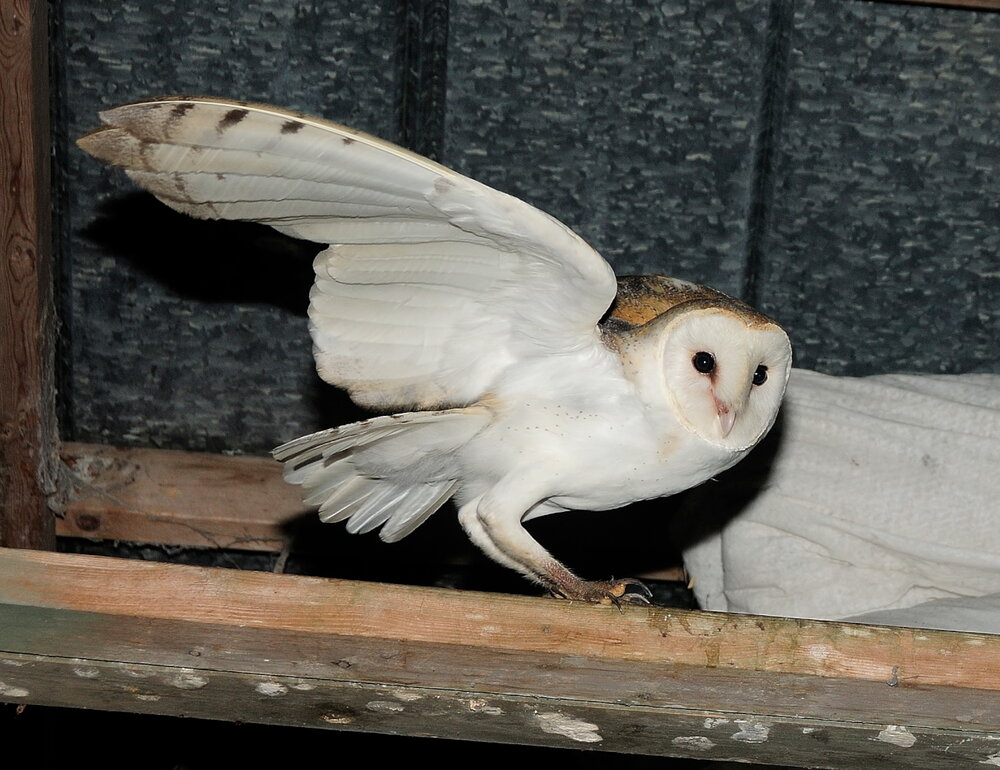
point(631, 591)
point(616, 592)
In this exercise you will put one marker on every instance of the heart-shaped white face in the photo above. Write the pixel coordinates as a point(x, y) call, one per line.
point(725, 374)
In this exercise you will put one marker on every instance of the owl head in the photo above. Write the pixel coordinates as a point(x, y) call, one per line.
point(720, 366)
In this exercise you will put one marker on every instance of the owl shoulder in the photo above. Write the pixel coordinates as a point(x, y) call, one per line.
point(641, 298)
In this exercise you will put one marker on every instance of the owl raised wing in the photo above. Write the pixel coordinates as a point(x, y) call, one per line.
point(434, 283)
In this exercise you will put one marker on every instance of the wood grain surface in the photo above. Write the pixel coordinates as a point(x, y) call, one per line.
point(126, 635)
point(27, 390)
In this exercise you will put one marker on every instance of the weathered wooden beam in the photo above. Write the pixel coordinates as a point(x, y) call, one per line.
point(221, 644)
point(27, 392)
point(197, 500)
point(178, 498)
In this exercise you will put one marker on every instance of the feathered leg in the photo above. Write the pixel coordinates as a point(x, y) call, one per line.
point(493, 522)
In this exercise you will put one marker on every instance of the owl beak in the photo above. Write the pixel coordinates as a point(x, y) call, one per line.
point(727, 417)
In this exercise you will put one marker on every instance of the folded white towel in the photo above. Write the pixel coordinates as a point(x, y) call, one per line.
point(874, 493)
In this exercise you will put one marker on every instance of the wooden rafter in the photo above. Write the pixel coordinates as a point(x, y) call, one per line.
point(193, 499)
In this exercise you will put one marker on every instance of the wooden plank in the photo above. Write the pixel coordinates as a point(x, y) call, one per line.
point(158, 638)
point(497, 718)
point(193, 499)
point(27, 392)
point(178, 498)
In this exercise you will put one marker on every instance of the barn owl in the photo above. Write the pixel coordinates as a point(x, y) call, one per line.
point(518, 376)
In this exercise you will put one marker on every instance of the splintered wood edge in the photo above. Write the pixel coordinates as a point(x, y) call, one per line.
point(193, 499)
point(897, 656)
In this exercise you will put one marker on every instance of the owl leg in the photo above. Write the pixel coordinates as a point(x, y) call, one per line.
point(496, 528)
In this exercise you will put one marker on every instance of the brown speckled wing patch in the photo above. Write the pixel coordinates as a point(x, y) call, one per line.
point(641, 298)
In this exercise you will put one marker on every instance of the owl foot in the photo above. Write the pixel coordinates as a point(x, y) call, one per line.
point(616, 592)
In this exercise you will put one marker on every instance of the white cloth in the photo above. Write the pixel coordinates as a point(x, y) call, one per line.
point(872, 494)
point(965, 613)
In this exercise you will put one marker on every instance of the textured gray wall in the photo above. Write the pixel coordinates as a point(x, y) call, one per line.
point(181, 335)
point(631, 122)
point(845, 154)
point(883, 251)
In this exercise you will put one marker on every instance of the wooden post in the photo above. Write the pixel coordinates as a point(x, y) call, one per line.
point(28, 443)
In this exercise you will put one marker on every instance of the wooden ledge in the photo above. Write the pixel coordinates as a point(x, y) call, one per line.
point(191, 499)
point(126, 635)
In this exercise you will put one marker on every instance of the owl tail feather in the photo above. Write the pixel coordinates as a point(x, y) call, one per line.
point(392, 471)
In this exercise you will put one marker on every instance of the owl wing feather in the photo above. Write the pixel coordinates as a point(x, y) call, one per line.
point(433, 284)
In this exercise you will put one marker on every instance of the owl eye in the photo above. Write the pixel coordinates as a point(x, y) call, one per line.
point(760, 376)
point(703, 362)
